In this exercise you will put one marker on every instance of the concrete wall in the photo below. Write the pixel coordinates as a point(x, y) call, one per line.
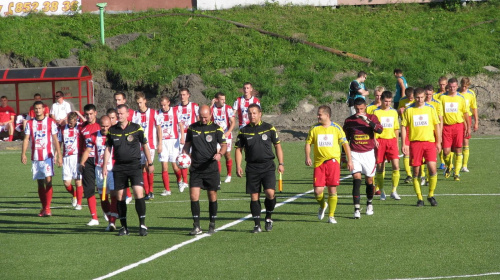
point(136, 5)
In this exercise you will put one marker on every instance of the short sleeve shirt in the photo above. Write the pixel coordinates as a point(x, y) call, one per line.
point(60, 111)
point(454, 108)
point(222, 116)
point(354, 89)
point(326, 141)
point(360, 135)
point(40, 132)
point(421, 122)
point(389, 121)
point(241, 108)
point(204, 139)
point(126, 145)
point(258, 141)
point(6, 113)
point(470, 101)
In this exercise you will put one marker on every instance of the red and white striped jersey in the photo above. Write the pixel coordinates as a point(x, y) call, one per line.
point(147, 120)
point(69, 137)
point(40, 133)
point(221, 117)
point(241, 107)
point(187, 114)
point(97, 142)
point(169, 123)
point(86, 130)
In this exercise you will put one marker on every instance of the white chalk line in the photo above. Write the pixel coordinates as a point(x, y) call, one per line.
point(449, 277)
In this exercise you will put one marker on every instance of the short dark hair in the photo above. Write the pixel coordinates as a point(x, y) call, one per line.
point(185, 89)
point(429, 87)
point(89, 107)
point(60, 92)
point(452, 80)
point(361, 74)
point(398, 71)
point(219, 94)
point(3, 96)
point(120, 93)
point(37, 94)
point(111, 111)
point(72, 115)
point(247, 83)
point(34, 104)
point(409, 91)
point(139, 95)
point(122, 106)
point(255, 105)
point(326, 109)
point(386, 94)
point(359, 101)
point(418, 90)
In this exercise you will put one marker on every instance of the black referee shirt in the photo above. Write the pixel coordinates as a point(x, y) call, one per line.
point(258, 141)
point(126, 145)
point(204, 139)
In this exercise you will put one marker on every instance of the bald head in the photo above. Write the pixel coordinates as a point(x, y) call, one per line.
point(205, 114)
point(105, 123)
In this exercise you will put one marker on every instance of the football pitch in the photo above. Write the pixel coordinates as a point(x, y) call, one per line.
point(457, 239)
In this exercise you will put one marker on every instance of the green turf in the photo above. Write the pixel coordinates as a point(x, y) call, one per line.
point(459, 237)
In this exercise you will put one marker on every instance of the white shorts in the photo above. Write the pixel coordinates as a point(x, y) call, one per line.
point(99, 180)
point(70, 168)
point(364, 163)
point(229, 143)
point(151, 153)
point(170, 150)
point(4, 128)
point(42, 169)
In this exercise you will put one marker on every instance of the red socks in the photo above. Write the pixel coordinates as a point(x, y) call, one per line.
point(184, 173)
point(178, 174)
point(151, 180)
point(11, 137)
point(48, 197)
point(79, 195)
point(229, 167)
point(41, 195)
point(166, 183)
point(145, 180)
point(92, 207)
point(218, 164)
point(71, 190)
point(129, 194)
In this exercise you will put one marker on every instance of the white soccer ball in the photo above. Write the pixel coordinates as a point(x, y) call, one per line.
point(183, 161)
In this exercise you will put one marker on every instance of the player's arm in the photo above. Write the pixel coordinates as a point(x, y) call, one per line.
point(26, 141)
point(80, 116)
point(404, 148)
point(238, 155)
point(279, 155)
point(85, 156)
point(59, 161)
point(307, 149)
point(396, 132)
point(401, 85)
point(186, 148)
point(467, 124)
point(347, 151)
point(145, 149)
point(181, 127)
point(107, 155)
point(476, 119)
point(159, 134)
point(232, 124)
point(438, 136)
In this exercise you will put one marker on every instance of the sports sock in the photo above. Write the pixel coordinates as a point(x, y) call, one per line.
point(432, 184)
point(122, 212)
point(145, 179)
point(166, 182)
point(321, 200)
point(92, 207)
point(395, 179)
point(452, 154)
point(48, 196)
point(218, 165)
point(441, 157)
point(70, 189)
point(447, 160)
point(195, 212)
point(369, 192)
point(41, 195)
point(422, 171)
point(379, 180)
point(11, 137)
point(332, 202)
point(229, 167)
point(458, 163)
point(178, 175)
point(113, 209)
point(151, 181)
point(184, 173)
point(105, 204)
point(140, 207)
point(416, 187)
point(212, 210)
point(129, 194)
point(465, 152)
point(79, 195)
point(406, 161)
point(255, 209)
point(356, 193)
point(269, 204)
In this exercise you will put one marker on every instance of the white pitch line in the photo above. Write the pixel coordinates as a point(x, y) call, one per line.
point(449, 277)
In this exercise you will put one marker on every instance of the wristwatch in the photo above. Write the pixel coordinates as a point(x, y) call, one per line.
point(150, 164)
point(281, 164)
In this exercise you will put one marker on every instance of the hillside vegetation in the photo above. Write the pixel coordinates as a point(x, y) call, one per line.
point(426, 41)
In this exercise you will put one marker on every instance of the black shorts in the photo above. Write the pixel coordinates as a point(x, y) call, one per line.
point(122, 177)
point(88, 178)
point(255, 179)
point(206, 181)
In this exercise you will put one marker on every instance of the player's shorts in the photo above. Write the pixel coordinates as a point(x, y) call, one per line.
point(205, 181)
point(420, 150)
point(453, 135)
point(327, 174)
point(387, 149)
point(99, 180)
point(229, 143)
point(170, 150)
point(122, 178)
point(364, 163)
point(143, 156)
point(70, 168)
point(88, 178)
point(470, 122)
point(257, 177)
point(42, 168)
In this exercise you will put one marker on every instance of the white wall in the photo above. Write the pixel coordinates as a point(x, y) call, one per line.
point(226, 4)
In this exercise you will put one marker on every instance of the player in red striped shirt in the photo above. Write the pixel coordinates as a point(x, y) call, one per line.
point(146, 118)
point(7, 115)
point(223, 115)
point(42, 131)
point(241, 104)
point(188, 114)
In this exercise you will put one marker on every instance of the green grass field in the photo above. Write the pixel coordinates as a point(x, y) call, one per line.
point(459, 237)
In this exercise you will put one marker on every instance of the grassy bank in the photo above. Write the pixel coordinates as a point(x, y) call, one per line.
point(426, 42)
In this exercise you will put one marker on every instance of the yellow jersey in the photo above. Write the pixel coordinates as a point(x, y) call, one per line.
point(326, 141)
point(404, 102)
point(470, 101)
point(437, 94)
point(389, 120)
point(372, 107)
point(421, 122)
point(454, 108)
point(437, 106)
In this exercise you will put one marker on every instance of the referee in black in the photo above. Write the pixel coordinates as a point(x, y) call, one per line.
point(202, 138)
point(257, 140)
point(124, 141)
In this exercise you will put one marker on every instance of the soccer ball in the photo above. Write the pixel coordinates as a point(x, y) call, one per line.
point(183, 161)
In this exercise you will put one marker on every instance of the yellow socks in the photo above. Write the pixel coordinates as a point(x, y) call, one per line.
point(416, 187)
point(406, 161)
point(465, 152)
point(458, 163)
point(395, 180)
point(379, 180)
point(321, 200)
point(433, 179)
point(332, 202)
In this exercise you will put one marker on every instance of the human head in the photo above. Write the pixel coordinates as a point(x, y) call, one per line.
point(360, 106)
point(254, 113)
point(90, 113)
point(72, 118)
point(419, 96)
point(464, 83)
point(105, 123)
point(429, 92)
point(4, 101)
point(324, 114)
point(140, 99)
point(220, 99)
point(386, 99)
point(122, 111)
point(362, 76)
point(37, 97)
point(378, 94)
point(409, 93)
point(185, 94)
point(453, 85)
point(442, 83)
point(205, 114)
point(113, 115)
point(165, 103)
point(38, 108)
point(120, 98)
point(59, 96)
point(398, 73)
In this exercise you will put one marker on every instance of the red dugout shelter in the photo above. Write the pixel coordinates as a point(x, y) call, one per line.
point(19, 85)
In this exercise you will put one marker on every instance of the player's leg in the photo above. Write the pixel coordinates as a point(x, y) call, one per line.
point(194, 194)
point(10, 128)
point(88, 181)
point(79, 193)
point(41, 195)
point(356, 194)
point(332, 181)
point(113, 212)
point(145, 176)
point(380, 173)
point(229, 161)
point(165, 178)
point(458, 142)
point(212, 207)
point(458, 163)
point(69, 172)
point(121, 182)
point(319, 185)
point(368, 168)
point(253, 188)
point(48, 195)
point(369, 194)
point(395, 179)
point(416, 156)
point(332, 202)
point(105, 204)
point(268, 180)
point(465, 153)
point(151, 176)
point(140, 203)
